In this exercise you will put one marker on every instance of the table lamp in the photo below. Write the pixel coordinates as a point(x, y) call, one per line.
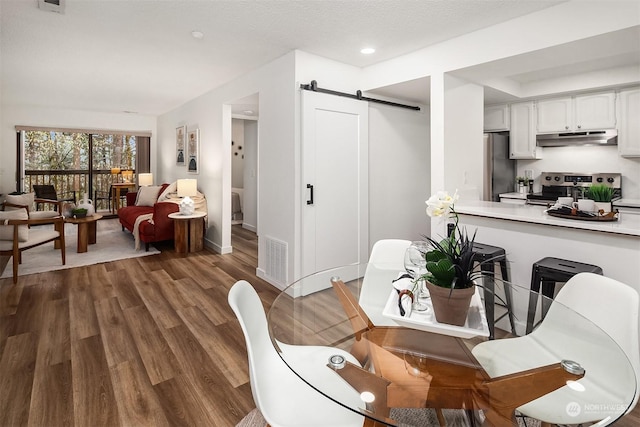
point(127, 175)
point(186, 189)
point(116, 172)
point(145, 179)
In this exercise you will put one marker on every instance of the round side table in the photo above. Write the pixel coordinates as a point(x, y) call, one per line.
point(188, 232)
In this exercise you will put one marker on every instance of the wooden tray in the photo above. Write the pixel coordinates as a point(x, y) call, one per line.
point(613, 217)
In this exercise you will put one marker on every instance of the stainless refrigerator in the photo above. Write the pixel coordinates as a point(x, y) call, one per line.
point(499, 169)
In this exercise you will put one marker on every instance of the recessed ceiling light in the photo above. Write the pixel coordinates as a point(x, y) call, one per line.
point(197, 34)
point(367, 51)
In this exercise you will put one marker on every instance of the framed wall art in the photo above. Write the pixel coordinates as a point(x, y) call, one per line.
point(180, 148)
point(193, 151)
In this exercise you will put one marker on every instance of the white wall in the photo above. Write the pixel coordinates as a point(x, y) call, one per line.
point(399, 173)
point(463, 132)
point(13, 115)
point(237, 152)
point(211, 113)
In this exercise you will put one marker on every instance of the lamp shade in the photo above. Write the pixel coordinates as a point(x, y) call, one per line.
point(115, 171)
point(127, 175)
point(145, 179)
point(187, 187)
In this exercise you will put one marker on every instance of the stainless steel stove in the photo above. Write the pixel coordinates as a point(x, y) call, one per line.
point(559, 184)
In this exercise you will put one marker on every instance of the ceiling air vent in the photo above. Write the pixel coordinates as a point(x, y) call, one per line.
point(52, 5)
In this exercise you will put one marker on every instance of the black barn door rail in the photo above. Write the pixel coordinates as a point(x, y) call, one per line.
point(313, 86)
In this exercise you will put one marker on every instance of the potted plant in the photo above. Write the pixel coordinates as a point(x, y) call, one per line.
point(79, 213)
point(450, 275)
point(601, 194)
point(522, 184)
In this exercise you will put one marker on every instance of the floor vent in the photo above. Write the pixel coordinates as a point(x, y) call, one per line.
point(276, 268)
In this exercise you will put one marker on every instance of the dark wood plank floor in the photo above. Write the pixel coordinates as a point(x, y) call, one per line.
point(145, 341)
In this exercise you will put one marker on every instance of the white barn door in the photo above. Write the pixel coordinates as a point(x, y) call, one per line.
point(335, 225)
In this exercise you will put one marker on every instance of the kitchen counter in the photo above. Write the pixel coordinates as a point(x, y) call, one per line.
point(626, 224)
point(627, 203)
point(528, 234)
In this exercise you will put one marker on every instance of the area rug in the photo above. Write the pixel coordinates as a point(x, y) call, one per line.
point(405, 417)
point(111, 244)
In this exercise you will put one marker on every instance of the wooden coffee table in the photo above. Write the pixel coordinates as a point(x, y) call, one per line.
point(86, 230)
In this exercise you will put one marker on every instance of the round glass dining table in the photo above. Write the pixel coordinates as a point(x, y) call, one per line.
point(343, 332)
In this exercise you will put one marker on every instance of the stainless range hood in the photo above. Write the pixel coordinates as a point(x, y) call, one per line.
point(592, 137)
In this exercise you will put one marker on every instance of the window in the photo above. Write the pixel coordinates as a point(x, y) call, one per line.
point(79, 162)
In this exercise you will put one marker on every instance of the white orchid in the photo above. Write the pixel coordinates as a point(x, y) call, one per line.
point(441, 204)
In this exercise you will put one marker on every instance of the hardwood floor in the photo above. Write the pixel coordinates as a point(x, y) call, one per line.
point(145, 341)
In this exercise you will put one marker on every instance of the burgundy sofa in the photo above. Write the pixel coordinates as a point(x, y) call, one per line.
point(162, 227)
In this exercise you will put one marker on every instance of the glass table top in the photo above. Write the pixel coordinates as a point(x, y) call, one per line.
point(336, 331)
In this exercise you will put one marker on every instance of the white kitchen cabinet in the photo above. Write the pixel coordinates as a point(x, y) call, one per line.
point(522, 135)
point(593, 111)
point(555, 115)
point(496, 118)
point(629, 123)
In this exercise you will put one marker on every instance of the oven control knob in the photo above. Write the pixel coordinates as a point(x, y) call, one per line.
point(600, 179)
point(610, 180)
point(548, 178)
point(557, 178)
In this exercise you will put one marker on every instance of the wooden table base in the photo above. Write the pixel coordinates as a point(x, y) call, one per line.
point(188, 232)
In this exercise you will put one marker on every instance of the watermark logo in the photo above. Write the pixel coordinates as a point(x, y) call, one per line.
point(573, 409)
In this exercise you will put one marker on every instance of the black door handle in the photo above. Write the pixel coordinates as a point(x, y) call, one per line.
point(310, 201)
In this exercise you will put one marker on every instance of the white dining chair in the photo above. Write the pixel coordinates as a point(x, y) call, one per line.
point(385, 262)
point(611, 305)
point(281, 396)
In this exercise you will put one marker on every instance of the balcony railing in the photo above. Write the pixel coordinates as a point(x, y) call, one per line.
point(76, 182)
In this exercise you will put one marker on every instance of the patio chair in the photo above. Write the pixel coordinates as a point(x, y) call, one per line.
point(48, 192)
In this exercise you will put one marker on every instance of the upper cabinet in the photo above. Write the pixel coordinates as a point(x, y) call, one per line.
point(629, 127)
point(496, 118)
point(522, 135)
point(555, 115)
point(577, 113)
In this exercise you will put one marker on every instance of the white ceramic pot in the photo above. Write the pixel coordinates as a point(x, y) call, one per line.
point(605, 206)
point(86, 204)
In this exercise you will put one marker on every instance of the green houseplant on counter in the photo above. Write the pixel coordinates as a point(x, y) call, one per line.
point(450, 276)
point(601, 194)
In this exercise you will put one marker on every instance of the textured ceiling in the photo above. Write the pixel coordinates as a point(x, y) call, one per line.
point(139, 55)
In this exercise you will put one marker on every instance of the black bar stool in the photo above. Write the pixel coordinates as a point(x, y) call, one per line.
point(487, 256)
point(549, 271)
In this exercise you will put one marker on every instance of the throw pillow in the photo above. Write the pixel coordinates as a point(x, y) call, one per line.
point(6, 231)
point(147, 196)
point(20, 199)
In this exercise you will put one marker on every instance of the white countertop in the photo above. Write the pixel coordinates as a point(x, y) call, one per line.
point(629, 203)
point(628, 224)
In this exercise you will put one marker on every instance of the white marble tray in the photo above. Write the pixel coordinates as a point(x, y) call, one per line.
point(476, 324)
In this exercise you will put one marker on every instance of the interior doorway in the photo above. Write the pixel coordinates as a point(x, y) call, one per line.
point(244, 163)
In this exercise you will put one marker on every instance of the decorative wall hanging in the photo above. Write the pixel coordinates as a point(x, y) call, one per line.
point(180, 154)
point(193, 151)
point(236, 149)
